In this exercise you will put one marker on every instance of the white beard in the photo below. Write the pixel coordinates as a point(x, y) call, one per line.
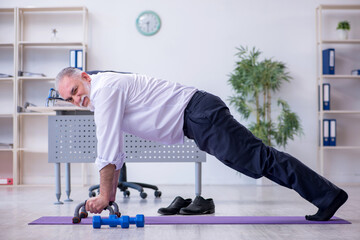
point(89, 106)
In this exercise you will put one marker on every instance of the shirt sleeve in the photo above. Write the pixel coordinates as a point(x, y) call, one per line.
point(109, 106)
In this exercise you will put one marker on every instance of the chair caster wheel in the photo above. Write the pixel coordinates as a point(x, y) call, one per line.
point(126, 193)
point(143, 195)
point(157, 193)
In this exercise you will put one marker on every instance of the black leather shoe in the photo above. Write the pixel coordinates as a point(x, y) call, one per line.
point(199, 206)
point(175, 206)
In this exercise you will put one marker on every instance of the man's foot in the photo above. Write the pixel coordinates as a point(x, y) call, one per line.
point(326, 214)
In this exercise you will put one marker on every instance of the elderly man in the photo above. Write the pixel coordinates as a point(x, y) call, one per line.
point(163, 111)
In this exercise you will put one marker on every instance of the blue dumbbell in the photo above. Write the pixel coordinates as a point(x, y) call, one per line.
point(123, 221)
point(112, 221)
point(139, 220)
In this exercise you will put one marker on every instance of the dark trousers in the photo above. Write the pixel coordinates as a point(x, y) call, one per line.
point(208, 121)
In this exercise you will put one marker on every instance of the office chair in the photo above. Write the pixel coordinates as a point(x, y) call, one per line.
point(123, 186)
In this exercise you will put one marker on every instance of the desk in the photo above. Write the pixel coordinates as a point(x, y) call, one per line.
point(72, 139)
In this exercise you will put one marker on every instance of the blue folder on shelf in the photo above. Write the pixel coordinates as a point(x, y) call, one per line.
point(326, 96)
point(332, 132)
point(326, 132)
point(329, 61)
point(79, 59)
point(76, 59)
point(72, 59)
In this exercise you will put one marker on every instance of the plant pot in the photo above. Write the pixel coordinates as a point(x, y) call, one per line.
point(343, 34)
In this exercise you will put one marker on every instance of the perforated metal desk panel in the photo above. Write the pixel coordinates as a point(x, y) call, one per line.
point(72, 139)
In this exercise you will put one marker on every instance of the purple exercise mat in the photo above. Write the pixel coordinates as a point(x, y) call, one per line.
point(158, 220)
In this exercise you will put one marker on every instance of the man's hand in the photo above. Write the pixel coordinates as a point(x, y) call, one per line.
point(108, 185)
point(96, 204)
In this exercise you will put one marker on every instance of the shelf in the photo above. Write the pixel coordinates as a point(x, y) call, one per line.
point(23, 21)
point(29, 150)
point(341, 76)
point(6, 115)
point(325, 21)
point(348, 41)
point(7, 79)
point(37, 78)
point(340, 112)
point(6, 149)
point(52, 44)
point(6, 44)
point(9, 10)
point(339, 7)
point(52, 9)
point(342, 148)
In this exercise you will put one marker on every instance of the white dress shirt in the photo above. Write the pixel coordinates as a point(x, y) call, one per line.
point(147, 107)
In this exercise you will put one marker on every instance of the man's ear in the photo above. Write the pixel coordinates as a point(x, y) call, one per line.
point(86, 77)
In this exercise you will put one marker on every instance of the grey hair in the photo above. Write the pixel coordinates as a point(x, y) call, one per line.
point(67, 72)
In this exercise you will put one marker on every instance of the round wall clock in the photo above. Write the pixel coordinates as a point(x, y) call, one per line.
point(148, 23)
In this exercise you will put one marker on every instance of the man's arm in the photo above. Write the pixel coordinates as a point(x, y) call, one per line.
point(115, 184)
point(109, 106)
point(107, 176)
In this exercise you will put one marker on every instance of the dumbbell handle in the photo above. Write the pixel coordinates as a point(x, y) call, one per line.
point(76, 213)
point(112, 221)
point(77, 218)
point(83, 204)
point(138, 220)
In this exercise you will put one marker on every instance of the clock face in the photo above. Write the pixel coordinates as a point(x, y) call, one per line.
point(148, 23)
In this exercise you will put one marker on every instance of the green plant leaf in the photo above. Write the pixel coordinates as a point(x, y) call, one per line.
point(344, 25)
point(288, 125)
point(254, 81)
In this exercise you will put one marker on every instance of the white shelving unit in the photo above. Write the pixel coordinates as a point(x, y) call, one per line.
point(34, 48)
point(8, 20)
point(324, 43)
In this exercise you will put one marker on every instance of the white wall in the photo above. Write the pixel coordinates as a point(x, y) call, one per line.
point(196, 46)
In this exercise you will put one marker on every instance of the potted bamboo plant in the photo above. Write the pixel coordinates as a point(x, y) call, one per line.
point(254, 82)
point(343, 29)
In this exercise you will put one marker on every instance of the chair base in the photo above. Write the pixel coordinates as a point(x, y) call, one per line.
point(123, 186)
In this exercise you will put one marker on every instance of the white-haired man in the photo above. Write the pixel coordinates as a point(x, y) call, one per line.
point(164, 111)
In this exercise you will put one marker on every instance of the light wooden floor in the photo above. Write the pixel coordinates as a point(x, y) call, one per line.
point(21, 205)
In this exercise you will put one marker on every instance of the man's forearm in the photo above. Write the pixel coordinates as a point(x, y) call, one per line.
point(98, 203)
point(115, 184)
point(106, 181)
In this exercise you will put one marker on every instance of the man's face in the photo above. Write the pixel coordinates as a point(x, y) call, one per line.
point(76, 90)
